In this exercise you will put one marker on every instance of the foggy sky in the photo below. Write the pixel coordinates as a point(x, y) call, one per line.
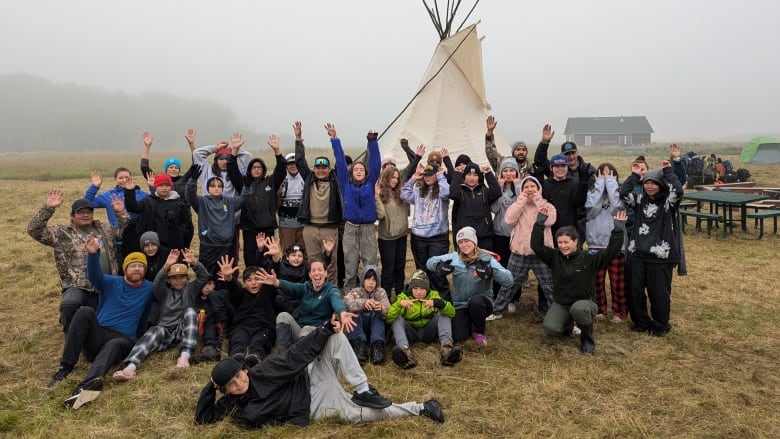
point(697, 70)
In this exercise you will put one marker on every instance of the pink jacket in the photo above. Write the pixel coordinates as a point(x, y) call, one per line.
point(522, 215)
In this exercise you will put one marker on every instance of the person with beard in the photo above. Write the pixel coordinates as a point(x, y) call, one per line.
point(654, 246)
point(105, 336)
point(519, 152)
point(258, 213)
point(292, 267)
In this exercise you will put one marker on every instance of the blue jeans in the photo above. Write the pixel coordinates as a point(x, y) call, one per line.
point(368, 322)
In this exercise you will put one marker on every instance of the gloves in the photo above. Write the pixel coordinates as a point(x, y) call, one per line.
point(444, 268)
point(483, 270)
point(439, 303)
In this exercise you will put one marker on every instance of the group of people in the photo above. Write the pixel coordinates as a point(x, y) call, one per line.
point(127, 289)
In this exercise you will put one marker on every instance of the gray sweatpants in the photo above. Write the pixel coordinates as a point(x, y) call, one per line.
point(360, 245)
point(439, 327)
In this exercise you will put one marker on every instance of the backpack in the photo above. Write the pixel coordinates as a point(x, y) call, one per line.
point(743, 175)
point(708, 173)
point(694, 170)
point(727, 164)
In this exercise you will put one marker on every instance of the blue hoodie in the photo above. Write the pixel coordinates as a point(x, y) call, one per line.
point(359, 205)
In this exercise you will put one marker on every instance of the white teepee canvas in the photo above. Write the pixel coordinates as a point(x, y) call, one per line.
point(451, 109)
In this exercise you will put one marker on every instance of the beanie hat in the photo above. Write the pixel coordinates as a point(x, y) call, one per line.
point(568, 147)
point(161, 179)
point(509, 163)
point(133, 258)
point(224, 152)
point(471, 168)
point(388, 159)
point(224, 371)
point(434, 156)
point(171, 161)
point(519, 144)
point(559, 160)
point(467, 233)
point(462, 159)
point(150, 237)
point(532, 178)
point(419, 279)
point(80, 204)
point(178, 270)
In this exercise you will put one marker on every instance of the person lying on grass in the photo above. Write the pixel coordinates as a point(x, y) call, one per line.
point(573, 275)
point(300, 384)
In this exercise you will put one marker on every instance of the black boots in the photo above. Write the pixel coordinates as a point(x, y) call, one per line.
point(377, 353)
point(361, 350)
point(587, 345)
point(283, 337)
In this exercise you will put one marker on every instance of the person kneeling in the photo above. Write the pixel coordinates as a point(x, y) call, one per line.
point(293, 387)
point(573, 274)
point(423, 316)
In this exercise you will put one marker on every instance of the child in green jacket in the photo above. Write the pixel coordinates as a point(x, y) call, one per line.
point(421, 316)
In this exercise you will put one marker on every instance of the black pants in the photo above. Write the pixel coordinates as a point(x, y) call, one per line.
point(392, 254)
point(211, 254)
point(74, 298)
point(104, 347)
point(471, 319)
point(656, 279)
point(243, 338)
point(422, 250)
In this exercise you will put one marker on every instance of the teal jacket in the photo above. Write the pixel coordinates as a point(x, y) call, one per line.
point(315, 307)
point(418, 315)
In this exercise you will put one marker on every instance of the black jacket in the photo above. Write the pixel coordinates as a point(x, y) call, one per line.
point(171, 218)
point(471, 206)
point(336, 205)
point(259, 210)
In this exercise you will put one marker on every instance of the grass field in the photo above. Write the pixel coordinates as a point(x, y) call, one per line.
point(715, 375)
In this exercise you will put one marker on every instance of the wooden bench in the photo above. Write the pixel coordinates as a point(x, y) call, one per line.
point(709, 217)
point(760, 216)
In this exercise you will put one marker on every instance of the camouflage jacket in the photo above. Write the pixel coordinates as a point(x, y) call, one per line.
point(68, 244)
point(495, 159)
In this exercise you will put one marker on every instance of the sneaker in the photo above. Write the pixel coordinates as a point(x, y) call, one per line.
point(617, 319)
point(59, 375)
point(371, 399)
point(182, 363)
point(494, 316)
point(123, 375)
point(85, 394)
point(253, 360)
point(600, 316)
point(403, 358)
point(511, 308)
point(432, 409)
point(239, 357)
point(449, 355)
point(637, 328)
point(480, 339)
point(575, 330)
point(659, 332)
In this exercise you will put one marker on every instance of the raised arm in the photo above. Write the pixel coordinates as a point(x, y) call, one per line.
point(491, 152)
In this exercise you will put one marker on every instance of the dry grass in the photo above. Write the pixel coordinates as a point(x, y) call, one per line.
point(715, 375)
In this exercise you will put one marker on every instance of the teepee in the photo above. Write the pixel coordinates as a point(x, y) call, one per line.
point(450, 107)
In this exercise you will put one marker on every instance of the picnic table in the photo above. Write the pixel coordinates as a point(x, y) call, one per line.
point(724, 201)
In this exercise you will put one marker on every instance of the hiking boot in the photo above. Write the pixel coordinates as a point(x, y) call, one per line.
point(123, 375)
point(378, 353)
point(494, 316)
point(659, 332)
point(403, 358)
point(239, 357)
point(253, 359)
point(85, 394)
point(210, 353)
point(361, 350)
point(371, 399)
point(59, 375)
point(449, 354)
point(479, 339)
point(432, 409)
point(587, 345)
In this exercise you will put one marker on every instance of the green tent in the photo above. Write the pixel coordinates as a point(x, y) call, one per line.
point(761, 150)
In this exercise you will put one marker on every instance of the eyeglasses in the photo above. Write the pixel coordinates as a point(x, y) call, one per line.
point(323, 162)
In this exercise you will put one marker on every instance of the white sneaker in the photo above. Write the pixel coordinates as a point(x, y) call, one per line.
point(492, 317)
point(617, 319)
point(599, 316)
point(511, 308)
point(576, 330)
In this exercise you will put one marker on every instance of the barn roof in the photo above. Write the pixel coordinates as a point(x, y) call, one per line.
point(608, 125)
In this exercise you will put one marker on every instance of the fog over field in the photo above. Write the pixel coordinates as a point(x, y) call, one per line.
point(697, 70)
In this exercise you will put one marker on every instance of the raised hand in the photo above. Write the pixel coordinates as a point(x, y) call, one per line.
point(149, 178)
point(237, 141)
point(420, 150)
point(190, 137)
point(635, 168)
point(372, 135)
point(674, 151)
point(55, 198)
point(268, 278)
point(92, 245)
point(147, 139)
point(666, 164)
point(96, 178)
point(189, 257)
point(331, 130)
point(260, 240)
point(273, 142)
point(418, 172)
point(544, 210)
point(491, 123)
point(272, 244)
point(547, 133)
point(117, 203)
point(226, 268)
point(445, 153)
point(486, 169)
point(297, 129)
point(328, 244)
point(620, 215)
point(173, 257)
